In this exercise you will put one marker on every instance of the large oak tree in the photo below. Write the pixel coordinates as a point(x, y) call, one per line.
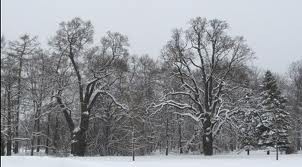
point(204, 58)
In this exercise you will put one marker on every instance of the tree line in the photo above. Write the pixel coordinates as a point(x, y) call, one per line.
point(81, 97)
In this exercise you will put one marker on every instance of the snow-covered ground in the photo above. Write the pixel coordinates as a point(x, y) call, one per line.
point(256, 159)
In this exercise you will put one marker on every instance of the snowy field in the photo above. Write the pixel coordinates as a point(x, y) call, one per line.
point(256, 159)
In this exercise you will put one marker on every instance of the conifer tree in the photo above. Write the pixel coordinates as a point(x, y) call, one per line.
point(274, 124)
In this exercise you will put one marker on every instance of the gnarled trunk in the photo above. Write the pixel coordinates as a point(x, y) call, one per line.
point(78, 143)
point(207, 137)
point(208, 145)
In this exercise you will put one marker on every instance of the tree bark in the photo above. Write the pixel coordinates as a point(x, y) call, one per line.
point(180, 136)
point(298, 140)
point(9, 124)
point(167, 136)
point(2, 145)
point(47, 134)
point(9, 147)
point(16, 144)
point(207, 137)
point(106, 143)
point(277, 152)
point(32, 146)
point(34, 129)
point(79, 143)
point(133, 149)
point(39, 107)
point(56, 135)
point(78, 135)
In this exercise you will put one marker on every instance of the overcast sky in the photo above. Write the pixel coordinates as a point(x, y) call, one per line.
point(272, 27)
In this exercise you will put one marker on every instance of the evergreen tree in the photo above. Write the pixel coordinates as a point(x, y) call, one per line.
point(248, 121)
point(274, 125)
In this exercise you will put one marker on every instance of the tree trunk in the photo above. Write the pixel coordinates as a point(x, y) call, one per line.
point(133, 149)
point(180, 137)
point(208, 144)
point(160, 147)
point(277, 152)
point(9, 147)
point(207, 137)
point(16, 144)
point(34, 130)
point(47, 134)
point(298, 140)
point(107, 132)
point(2, 145)
point(167, 136)
point(56, 135)
point(38, 126)
point(9, 124)
point(32, 146)
point(3, 137)
point(38, 137)
point(106, 142)
point(79, 143)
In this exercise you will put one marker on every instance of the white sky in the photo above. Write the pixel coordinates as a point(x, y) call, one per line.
point(272, 27)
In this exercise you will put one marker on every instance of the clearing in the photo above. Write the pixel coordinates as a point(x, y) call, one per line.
point(255, 159)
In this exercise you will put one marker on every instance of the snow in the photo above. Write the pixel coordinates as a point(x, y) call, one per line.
point(77, 129)
point(85, 113)
point(259, 159)
point(74, 141)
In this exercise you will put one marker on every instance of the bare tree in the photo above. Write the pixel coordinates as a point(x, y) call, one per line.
point(204, 57)
point(19, 49)
point(37, 94)
point(8, 82)
point(71, 41)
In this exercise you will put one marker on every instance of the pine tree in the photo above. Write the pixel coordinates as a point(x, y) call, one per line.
point(248, 121)
point(274, 126)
